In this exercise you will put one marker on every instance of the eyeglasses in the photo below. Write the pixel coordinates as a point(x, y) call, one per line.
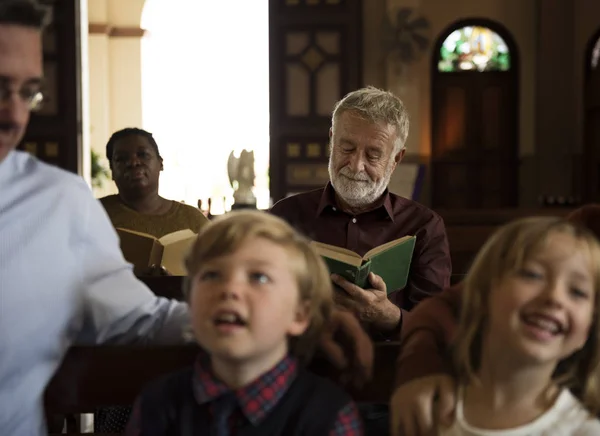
point(31, 95)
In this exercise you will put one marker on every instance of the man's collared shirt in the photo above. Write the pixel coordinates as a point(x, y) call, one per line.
point(317, 215)
point(256, 400)
point(63, 280)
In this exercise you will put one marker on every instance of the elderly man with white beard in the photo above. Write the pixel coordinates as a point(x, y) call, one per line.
point(356, 211)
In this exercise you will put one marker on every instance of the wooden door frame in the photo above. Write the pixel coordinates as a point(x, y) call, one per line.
point(589, 182)
point(64, 128)
point(309, 128)
point(512, 73)
point(589, 49)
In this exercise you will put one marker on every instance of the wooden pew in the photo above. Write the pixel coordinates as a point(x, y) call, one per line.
point(167, 286)
point(468, 230)
point(92, 377)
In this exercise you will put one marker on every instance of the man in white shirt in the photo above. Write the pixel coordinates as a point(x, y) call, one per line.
point(63, 278)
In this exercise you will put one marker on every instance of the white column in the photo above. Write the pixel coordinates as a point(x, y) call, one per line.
point(125, 82)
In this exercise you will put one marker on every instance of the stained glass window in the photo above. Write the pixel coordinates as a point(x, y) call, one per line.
point(474, 48)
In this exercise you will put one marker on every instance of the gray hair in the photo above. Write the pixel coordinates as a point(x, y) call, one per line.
point(26, 13)
point(376, 105)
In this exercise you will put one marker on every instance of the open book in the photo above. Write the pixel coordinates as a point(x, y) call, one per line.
point(391, 261)
point(144, 250)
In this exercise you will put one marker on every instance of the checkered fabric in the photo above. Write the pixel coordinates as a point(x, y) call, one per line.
point(257, 399)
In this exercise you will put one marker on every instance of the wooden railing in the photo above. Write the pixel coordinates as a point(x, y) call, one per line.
point(93, 377)
point(468, 230)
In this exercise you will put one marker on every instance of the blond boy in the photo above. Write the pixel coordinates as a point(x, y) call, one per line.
point(260, 297)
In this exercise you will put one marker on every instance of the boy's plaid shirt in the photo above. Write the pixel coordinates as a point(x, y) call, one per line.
point(261, 396)
point(256, 400)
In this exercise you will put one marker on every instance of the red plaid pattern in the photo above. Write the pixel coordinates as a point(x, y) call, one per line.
point(261, 396)
point(255, 400)
point(348, 422)
point(258, 398)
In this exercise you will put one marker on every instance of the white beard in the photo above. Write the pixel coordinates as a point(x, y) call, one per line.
point(358, 189)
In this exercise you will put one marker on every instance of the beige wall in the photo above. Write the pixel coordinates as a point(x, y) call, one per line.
point(114, 57)
point(413, 82)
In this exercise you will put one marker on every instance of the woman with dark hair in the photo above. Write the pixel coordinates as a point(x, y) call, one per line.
point(136, 164)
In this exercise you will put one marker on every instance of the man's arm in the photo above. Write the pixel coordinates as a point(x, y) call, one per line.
point(425, 386)
point(426, 336)
point(430, 269)
point(118, 308)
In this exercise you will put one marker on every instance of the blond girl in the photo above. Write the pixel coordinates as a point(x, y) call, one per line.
point(528, 334)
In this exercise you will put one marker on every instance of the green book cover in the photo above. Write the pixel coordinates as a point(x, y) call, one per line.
point(391, 261)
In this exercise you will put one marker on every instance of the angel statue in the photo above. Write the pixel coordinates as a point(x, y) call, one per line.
point(241, 177)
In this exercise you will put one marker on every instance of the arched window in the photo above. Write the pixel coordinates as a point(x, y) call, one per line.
point(474, 128)
point(474, 48)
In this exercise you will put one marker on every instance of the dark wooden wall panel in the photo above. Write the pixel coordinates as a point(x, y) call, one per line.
point(54, 133)
point(315, 59)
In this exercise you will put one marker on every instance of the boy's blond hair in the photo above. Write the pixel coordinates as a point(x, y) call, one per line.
point(226, 234)
point(505, 253)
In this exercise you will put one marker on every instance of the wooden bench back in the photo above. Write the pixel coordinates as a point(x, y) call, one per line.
point(468, 230)
point(92, 377)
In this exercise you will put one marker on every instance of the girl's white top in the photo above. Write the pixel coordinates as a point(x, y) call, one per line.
point(566, 417)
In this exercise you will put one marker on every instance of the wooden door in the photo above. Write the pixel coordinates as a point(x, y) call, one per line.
point(54, 133)
point(474, 140)
point(315, 59)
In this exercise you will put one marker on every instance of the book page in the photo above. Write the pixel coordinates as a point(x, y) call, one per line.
point(382, 248)
point(133, 232)
point(177, 236)
point(338, 253)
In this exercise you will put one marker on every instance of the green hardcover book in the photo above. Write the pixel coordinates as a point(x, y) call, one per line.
point(391, 261)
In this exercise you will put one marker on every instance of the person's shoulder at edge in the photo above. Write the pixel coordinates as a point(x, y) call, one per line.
point(402, 203)
point(189, 209)
point(587, 425)
point(309, 199)
point(49, 176)
point(196, 218)
point(324, 392)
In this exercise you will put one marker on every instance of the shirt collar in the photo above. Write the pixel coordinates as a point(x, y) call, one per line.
point(255, 400)
point(328, 201)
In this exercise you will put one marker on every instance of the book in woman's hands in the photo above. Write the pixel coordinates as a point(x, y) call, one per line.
point(390, 261)
point(144, 250)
